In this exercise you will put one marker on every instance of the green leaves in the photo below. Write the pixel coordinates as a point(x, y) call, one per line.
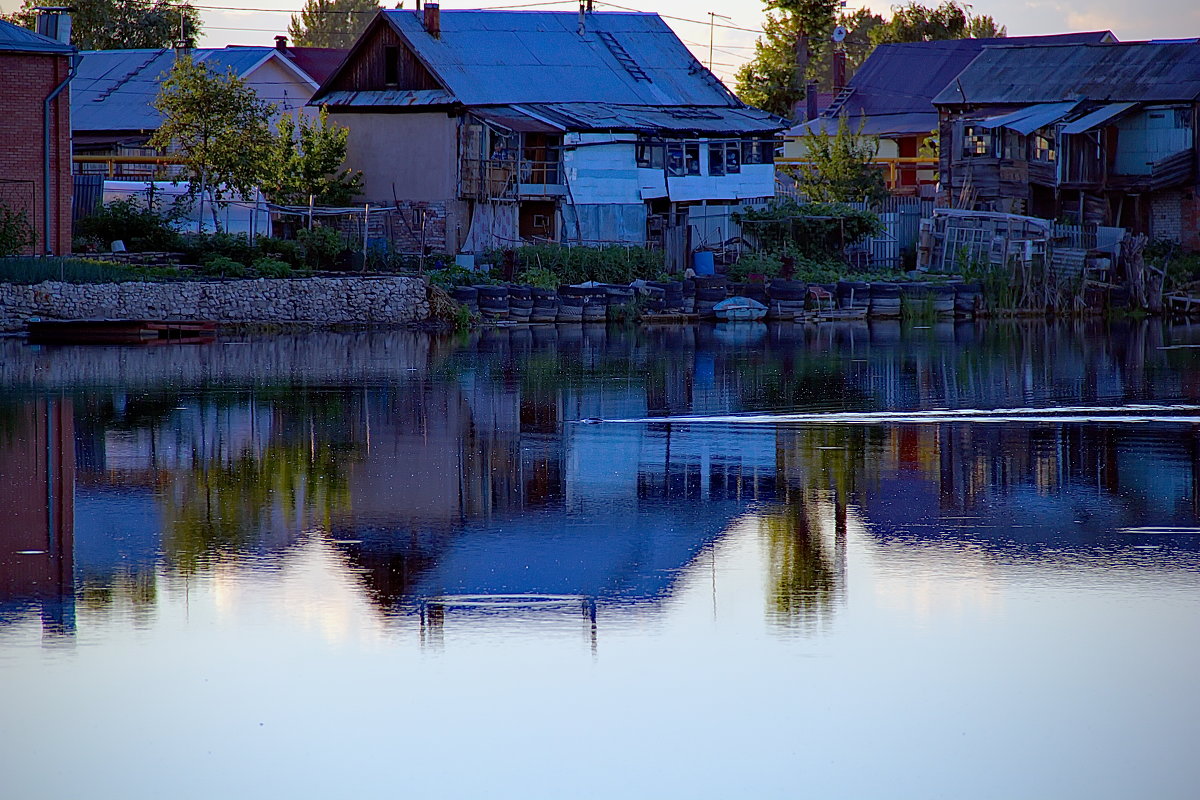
point(218, 124)
point(119, 24)
point(331, 23)
point(950, 20)
point(840, 168)
point(306, 158)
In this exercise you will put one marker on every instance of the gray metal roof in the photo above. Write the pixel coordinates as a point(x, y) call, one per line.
point(895, 86)
point(388, 98)
point(1098, 117)
point(502, 57)
point(114, 90)
point(1128, 72)
point(1027, 120)
point(15, 39)
point(649, 119)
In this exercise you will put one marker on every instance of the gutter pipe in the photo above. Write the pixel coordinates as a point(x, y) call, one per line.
point(46, 155)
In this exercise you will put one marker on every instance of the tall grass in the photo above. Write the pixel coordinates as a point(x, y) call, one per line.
point(76, 270)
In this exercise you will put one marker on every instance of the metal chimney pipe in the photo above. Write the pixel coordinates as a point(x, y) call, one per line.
point(433, 20)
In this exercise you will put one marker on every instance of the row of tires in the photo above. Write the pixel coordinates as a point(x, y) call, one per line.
point(785, 298)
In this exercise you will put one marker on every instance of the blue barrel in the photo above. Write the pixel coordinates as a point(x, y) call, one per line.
point(702, 262)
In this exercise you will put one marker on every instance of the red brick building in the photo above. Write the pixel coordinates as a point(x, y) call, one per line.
point(32, 67)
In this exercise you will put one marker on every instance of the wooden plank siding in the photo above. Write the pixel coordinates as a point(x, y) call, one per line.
point(370, 69)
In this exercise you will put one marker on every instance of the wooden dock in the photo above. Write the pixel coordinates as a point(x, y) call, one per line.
point(120, 331)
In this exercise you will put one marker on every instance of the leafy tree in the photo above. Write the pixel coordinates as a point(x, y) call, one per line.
point(218, 125)
point(306, 159)
point(331, 23)
point(769, 79)
point(841, 168)
point(119, 24)
point(950, 20)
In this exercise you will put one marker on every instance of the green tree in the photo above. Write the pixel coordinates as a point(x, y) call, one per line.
point(331, 23)
point(306, 159)
point(769, 80)
point(840, 168)
point(120, 24)
point(950, 20)
point(218, 125)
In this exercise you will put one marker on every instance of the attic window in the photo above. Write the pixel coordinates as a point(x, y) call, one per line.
point(391, 65)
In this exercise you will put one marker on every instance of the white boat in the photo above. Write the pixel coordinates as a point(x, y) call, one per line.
point(739, 309)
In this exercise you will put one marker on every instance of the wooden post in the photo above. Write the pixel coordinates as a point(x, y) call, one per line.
point(366, 232)
point(311, 198)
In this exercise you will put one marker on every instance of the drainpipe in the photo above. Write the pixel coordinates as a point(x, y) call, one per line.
point(46, 155)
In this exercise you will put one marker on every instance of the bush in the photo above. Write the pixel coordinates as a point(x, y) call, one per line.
point(453, 275)
point(612, 264)
point(540, 277)
point(321, 246)
point(817, 231)
point(130, 221)
point(271, 268)
point(200, 248)
point(222, 266)
point(281, 250)
point(16, 234)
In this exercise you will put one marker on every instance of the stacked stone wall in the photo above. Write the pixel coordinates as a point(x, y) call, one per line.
point(305, 301)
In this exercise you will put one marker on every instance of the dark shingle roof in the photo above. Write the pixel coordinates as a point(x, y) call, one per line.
point(1129, 72)
point(15, 39)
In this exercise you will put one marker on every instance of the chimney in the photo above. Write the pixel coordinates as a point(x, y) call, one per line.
point(810, 101)
point(281, 44)
point(839, 70)
point(433, 20)
point(55, 22)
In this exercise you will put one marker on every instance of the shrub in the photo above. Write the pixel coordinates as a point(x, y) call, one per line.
point(453, 275)
point(131, 222)
point(612, 264)
point(321, 246)
point(271, 268)
point(540, 277)
point(281, 249)
point(16, 233)
point(223, 266)
point(814, 230)
point(201, 247)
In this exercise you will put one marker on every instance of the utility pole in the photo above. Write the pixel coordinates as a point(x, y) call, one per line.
point(712, 24)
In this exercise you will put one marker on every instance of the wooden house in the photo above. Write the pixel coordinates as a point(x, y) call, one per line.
point(491, 128)
point(1099, 133)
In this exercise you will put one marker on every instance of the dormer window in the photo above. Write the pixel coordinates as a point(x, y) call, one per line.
point(391, 65)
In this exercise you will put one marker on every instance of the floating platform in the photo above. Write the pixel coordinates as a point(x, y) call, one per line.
point(121, 331)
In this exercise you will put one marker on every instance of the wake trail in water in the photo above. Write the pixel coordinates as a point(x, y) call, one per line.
point(1125, 415)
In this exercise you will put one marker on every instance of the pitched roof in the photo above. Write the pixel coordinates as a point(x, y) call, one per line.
point(318, 62)
point(15, 39)
point(114, 90)
point(1128, 72)
point(501, 57)
point(895, 86)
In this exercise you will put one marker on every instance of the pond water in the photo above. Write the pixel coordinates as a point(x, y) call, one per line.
point(375, 564)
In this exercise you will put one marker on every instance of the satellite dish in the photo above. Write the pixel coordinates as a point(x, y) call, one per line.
point(839, 33)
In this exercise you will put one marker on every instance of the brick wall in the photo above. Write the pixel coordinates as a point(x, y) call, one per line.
point(407, 226)
point(1190, 219)
point(1166, 216)
point(25, 81)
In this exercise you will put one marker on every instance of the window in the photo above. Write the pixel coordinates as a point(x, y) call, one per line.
point(976, 141)
point(724, 158)
point(758, 151)
point(391, 65)
point(1044, 146)
point(651, 154)
point(683, 158)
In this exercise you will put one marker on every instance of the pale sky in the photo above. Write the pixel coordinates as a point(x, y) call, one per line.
point(1128, 20)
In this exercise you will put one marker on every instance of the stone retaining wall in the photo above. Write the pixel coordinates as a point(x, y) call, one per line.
point(308, 301)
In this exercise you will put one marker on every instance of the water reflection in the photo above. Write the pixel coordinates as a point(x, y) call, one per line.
point(441, 469)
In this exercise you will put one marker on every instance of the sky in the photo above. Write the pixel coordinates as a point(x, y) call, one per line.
point(733, 42)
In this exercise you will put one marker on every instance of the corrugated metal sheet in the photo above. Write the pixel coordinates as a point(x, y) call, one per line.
point(620, 118)
point(880, 125)
point(895, 86)
point(1137, 71)
point(503, 57)
point(1027, 120)
point(1098, 117)
point(384, 98)
point(15, 39)
point(114, 90)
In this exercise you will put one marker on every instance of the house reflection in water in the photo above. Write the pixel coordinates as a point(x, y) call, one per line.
point(37, 490)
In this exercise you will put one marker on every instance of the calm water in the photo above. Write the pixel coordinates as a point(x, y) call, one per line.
point(368, 565)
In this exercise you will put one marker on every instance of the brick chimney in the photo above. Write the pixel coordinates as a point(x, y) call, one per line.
point(433, 20)
point(281, 44)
